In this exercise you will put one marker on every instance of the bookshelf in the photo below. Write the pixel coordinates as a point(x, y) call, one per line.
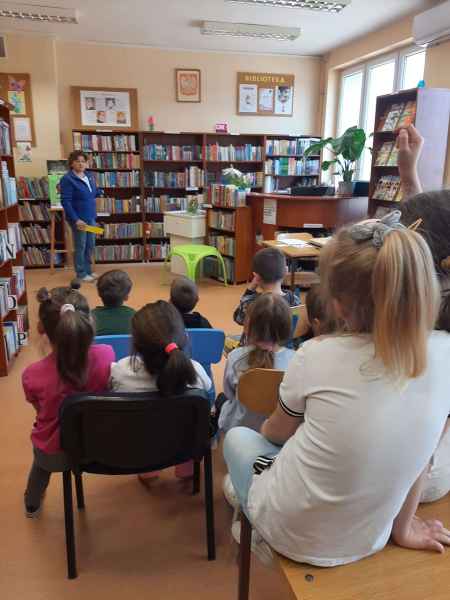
point(429, 110)
point(228, 228)
point(35, 223)
point(284, 164)
point(13, 294)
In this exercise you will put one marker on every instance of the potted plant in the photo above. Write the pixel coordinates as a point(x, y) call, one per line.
point(232, 176)
point(347, 150)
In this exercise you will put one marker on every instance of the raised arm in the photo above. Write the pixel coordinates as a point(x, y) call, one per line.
point(409, 531)
point(409, 144)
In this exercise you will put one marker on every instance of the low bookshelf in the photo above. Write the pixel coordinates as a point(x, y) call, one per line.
point(13, 294)
point(429, 111)
point(228, 228)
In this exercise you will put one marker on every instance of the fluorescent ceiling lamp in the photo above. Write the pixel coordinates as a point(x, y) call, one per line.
point(266, 32)
point(33, 12)
point(318, 5)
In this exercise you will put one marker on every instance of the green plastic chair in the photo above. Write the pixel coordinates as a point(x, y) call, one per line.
point(193, 255)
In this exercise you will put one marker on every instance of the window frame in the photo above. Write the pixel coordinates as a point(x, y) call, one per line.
point(400, 57)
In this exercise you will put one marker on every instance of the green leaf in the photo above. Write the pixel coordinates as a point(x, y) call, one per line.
point(327, 164)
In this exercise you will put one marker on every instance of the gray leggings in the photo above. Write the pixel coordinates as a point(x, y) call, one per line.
point(41, 469)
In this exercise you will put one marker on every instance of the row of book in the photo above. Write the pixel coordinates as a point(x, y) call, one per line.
point(222, 220)
point(23, 324)
point(226, 195)
point(114, 161)
point(154, 229)
point(398, 116)
point(215, 152)
point(191, 177)
point(224, 244)
point(388, 188)
point(291, 166)
point(254, 179)
point(295, 147)
point(32, 187)
point(88, 142)
point(118, 206)
point(10, 339)
point(11, 289)
point(35, 234)
point(40, 257)
point(119, 253)
point(272, 184)
point(158, 251)
point(167, 203)
point(168, 152)
point(32, 211)
point(387, 155)
point(122, 230)
point(10, 242)
point(212, 268)
point(5, 139)
point(117, 179)
point(8, 192)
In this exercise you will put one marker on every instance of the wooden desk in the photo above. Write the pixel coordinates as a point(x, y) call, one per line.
point(326, 212)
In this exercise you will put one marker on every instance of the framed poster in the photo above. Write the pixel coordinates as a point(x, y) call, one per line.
point(188, 85)
point(109, 108)
point(15, 88)
point(265, 94)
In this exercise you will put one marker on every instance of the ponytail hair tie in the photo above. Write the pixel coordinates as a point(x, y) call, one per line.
point(170, 348)
point(67, 308)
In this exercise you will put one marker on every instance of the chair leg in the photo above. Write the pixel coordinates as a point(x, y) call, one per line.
point(244, 558)
point(79, 490)
point(209, 506)
point(196, 481)
point(68, 520)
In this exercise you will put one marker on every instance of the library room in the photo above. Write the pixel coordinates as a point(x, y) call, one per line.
point(225, 299)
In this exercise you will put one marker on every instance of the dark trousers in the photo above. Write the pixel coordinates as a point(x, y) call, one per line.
point(41, 469)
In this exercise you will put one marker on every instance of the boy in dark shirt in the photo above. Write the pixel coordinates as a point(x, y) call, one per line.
point(184, 296)
point(113, 318)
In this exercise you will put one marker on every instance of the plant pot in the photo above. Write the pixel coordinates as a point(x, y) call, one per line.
point(346, 188)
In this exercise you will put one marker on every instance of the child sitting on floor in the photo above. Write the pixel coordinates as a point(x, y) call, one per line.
point(317, 322)
point(184, 296)
point(74, 365)
point(113, 318)
point(158, 362)
point(269, 269)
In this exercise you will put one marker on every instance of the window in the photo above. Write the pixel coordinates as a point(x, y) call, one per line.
point(361, 85)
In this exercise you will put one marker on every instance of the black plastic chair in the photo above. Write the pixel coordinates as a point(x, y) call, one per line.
point(123, 434)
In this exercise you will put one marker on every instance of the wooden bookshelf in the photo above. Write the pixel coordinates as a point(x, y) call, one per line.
point(9, 218)
point(432, 120)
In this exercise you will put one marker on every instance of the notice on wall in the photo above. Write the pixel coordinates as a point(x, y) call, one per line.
point(270, 211)
point(109, 108)
point(265, 94)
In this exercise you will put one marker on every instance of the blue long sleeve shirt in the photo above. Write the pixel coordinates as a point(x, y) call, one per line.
point(77, 199)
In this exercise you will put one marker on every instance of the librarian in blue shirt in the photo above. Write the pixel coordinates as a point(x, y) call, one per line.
point(78, 197)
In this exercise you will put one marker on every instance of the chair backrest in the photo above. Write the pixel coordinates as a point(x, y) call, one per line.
point(206, 345)
point(133, 433)
point(258, 390)
point(121, 344)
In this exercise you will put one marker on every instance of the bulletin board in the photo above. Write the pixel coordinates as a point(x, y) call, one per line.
point(265, 94)
point(105, 108)
point(16, 89)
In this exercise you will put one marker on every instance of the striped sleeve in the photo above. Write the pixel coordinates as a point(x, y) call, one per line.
point(292, 397)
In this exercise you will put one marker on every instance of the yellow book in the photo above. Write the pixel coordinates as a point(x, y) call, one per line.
point(94, 229)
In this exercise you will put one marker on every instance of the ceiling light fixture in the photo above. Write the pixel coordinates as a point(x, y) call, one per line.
point(318, 5)
point(266, 32)
point(33, 12)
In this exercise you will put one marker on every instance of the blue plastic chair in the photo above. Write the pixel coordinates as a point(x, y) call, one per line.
point(207, 349)
point(121, 344)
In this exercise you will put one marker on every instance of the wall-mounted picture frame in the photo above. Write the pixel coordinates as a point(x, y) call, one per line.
point(15, 88)
point(188, 85)
point(108, 108)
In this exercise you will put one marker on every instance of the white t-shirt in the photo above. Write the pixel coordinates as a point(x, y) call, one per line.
point(338, 483)
point(126, 379)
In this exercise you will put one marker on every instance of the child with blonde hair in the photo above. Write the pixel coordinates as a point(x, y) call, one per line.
point(360, 412)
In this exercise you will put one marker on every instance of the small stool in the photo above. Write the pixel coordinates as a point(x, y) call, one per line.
point(192, 254)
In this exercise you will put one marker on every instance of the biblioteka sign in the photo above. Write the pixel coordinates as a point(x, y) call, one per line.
point(265, 94)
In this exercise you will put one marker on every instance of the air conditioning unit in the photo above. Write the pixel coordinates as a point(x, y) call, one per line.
point(432, 26)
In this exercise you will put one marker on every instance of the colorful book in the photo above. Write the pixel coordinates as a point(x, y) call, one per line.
point(393, 117)
point(384, 154)
point(408, 116)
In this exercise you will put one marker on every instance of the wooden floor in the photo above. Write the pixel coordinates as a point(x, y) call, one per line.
point(132, 542)
point(136, 543)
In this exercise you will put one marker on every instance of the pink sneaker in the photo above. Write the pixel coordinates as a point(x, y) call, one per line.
point(185, 470)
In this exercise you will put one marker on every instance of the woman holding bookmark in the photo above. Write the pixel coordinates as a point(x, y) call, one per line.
point(78, 197)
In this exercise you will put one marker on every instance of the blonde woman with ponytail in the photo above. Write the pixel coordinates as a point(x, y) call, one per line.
point(344, 456)
point(73, 365)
